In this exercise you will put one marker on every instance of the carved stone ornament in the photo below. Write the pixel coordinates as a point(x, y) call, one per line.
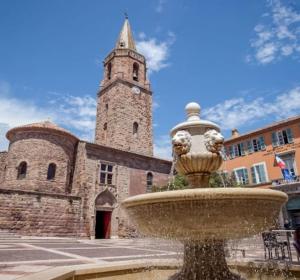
point(213, 140)
point(181, 142)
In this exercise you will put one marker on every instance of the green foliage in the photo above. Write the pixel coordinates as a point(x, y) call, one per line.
point(217, 180)
point(179, 182)
point(222, 180)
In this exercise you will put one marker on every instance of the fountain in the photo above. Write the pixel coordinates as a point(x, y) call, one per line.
point(203, 218)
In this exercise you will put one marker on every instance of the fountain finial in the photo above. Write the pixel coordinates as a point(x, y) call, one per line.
point(193, 111)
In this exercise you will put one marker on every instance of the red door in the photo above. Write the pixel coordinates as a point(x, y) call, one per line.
point(106, 224)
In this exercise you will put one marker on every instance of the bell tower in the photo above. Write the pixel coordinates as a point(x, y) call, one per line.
point(124, 102)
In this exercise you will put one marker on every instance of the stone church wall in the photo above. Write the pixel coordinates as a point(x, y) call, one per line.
point(38, 214)
point(129, 178)
point(39, 150)
point(3, 162)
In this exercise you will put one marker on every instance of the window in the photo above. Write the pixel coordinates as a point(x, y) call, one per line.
point(239, 150)
point(231, 152)
point(109, 71)
point(122, 44)
point(258, 173)
point(236, 150)
point(135, 72)
point(256, 145)
point(241, 175)
point(135, 129)
point(282, 137)
point(51, 171)
point(106, 106)
point(149, 181)
point(22, 170)
point(289, 160)
point(106, 174)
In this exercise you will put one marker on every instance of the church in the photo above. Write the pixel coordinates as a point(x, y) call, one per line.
point(54, 184)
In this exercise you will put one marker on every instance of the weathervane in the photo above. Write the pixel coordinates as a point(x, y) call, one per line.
point(126, 15)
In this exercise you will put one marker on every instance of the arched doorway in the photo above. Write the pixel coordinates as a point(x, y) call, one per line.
point(104, 205)
point(293, 208)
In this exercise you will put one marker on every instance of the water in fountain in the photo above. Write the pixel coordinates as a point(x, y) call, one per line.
point(203, 218)
point(171, 174)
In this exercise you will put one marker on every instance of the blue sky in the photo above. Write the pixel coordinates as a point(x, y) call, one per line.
point(238, 59)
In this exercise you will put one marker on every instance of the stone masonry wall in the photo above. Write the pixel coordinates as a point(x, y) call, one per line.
point(38, 214)
point(39, 149)
point(129, 178)
point(125, 108)
point(3, 162)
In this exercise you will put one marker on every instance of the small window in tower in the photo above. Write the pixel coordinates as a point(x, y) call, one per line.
point(135, 129)
point(149, 182)
point(106, 106)
point(122, 44)
point(109, 71)
point(22, 170)
point(105, 126)
point(51, 171)
point(135, 72)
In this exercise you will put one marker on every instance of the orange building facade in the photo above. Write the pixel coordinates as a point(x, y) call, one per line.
point(251, 157)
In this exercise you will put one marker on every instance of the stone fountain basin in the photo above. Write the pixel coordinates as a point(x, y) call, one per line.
point(203, 214)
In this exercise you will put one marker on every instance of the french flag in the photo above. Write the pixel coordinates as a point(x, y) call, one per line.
point(280, 162)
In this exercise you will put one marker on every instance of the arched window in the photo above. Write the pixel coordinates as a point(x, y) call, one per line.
point(135, 72)
point(149, 181)
point(51, 171)
point(109, 71)
point(22, 170)
point(135, 129)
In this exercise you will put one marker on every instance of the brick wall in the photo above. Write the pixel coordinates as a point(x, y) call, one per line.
point(39, 214)
point(3, 161)
point(39, 149)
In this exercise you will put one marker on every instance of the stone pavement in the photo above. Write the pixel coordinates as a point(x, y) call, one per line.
point(19, 257)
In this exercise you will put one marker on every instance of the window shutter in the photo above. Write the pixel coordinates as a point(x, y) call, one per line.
point(274, 139)
point(245, 171)
point(289, 135)
point(253, 175)
point(249, 147)
point(242, 149)
point(262, 142)
point(231, 152)
point(262, 173)
point(236, 150)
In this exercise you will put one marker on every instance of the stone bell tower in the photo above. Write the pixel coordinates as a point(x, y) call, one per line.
point(124, 104)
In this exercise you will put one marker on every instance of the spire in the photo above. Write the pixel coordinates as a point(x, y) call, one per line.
point(125, 40)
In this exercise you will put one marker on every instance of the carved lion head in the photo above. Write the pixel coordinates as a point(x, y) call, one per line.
point(213, 140)
point(181, 142)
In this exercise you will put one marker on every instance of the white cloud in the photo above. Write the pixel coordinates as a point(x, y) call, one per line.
point(72, 112)
point(240, 112)
point(162, 147)
point(278, 36)
point(160, 6)
point(156, 53)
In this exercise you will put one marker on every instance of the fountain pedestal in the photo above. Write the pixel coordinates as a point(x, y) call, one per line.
point(204, 260)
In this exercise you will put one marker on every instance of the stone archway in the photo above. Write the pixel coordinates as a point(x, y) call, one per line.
point(105, 203)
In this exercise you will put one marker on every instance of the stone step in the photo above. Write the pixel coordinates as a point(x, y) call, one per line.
point(8, 235)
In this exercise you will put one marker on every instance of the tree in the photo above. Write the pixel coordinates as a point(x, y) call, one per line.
point(221, 179)
point(217, 180)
